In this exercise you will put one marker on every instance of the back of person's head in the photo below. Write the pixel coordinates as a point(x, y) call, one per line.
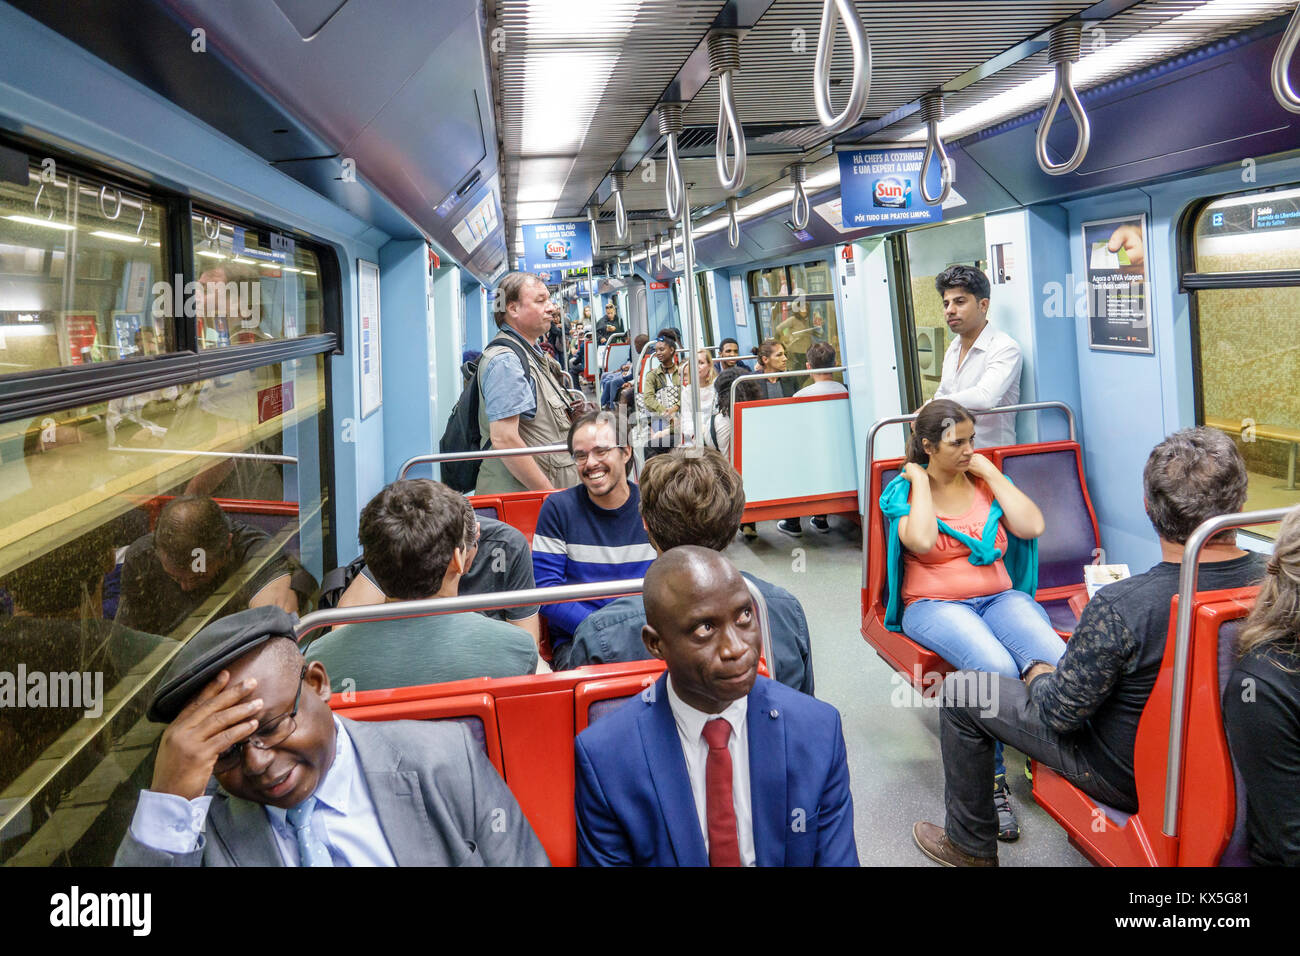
point(614, 418)
point(767, 348)
point(639, 342)
point(54, 584)
point(1193, 475)
point(722, 388)
point(1276, 617)
point(188, 523)
point(693, 498)
point(509, 291)
point(963, 277)
point(408, 534)
point(821, 355)
point(931, 424)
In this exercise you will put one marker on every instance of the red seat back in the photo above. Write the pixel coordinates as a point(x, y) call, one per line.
point(519, 509)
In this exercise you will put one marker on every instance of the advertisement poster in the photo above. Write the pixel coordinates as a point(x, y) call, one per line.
point(372, 382)
point(881, 187)
point(82, 331)
point(739, 303)
point(126, 330)
point(1119, 313)
point(556, 245)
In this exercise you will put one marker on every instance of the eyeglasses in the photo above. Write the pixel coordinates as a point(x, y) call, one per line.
point(600, 451)
point(271, 734)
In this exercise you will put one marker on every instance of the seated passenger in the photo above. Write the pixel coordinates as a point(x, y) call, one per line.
point(1261, 707)
point(612, 382)
point(662, 396)
point(955, 515)
point(592, 531)
point(1081, 717)
point(712, 764)
point(300, 786)
point(192, 552)
point(418, 537)
point(696, 500)
point(729, 356)
point(502, 562)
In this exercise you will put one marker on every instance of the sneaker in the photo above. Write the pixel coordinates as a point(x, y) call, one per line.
point(791, 526)
point(749, 531)
point(934, 843)
point(1029, 770)
point(820, 523)
point(1008, 828)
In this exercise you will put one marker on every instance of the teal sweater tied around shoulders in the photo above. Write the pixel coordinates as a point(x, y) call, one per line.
point(1021, 559)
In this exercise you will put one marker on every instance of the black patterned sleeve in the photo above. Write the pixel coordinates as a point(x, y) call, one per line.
point(1100, 650)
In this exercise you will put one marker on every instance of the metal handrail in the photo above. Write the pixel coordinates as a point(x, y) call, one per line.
point(788, 373)
point(1187, 573)
point(610, 343)
point(1063, 50)
point(799, 208)
point(434, 458)
point(861, 44)
point(429, 607)
point(1282, 89)
point(242, 455)
point(932, 108)
point(902, 419)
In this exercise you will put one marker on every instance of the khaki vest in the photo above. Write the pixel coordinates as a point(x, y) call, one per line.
point(548, 426)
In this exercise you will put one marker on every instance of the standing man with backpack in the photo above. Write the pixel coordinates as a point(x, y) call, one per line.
point(522, 400)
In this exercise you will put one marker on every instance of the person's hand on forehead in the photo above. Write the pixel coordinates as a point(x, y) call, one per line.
point(220, 716)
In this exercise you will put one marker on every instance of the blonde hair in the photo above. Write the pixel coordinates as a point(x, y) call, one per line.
point(712, 371)
point(1276, 617)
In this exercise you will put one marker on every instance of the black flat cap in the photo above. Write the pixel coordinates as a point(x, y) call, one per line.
point(216, 646)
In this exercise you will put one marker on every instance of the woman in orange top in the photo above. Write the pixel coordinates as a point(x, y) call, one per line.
point(968, 613)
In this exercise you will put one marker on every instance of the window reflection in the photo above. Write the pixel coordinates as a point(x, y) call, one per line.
point(796, 306)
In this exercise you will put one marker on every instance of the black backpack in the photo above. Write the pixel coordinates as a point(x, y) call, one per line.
point(462, 432)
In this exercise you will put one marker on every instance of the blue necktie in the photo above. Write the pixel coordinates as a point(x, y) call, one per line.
point(312, 850)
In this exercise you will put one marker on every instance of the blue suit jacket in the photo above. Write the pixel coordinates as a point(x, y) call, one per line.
point(634, 800)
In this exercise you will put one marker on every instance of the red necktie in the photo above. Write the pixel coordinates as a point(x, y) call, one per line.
point(724, 847)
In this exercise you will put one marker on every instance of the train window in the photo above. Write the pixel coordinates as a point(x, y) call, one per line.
point(78, 260)
point(703, 307)
point(1246, 328)
point(88, 591)
point(258, 285)
point(929, 252)
point(796, 305)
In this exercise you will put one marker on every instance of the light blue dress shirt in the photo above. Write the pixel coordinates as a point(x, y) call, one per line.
point(344, 817)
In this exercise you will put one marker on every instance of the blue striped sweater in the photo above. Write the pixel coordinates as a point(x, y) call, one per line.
point(577, 542)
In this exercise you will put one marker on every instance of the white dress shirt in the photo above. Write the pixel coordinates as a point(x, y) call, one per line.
point(690, 731)
point(344, 817)
point(988, 377)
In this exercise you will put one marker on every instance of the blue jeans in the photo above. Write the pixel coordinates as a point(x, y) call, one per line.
point(610, 383)
point(999, 633)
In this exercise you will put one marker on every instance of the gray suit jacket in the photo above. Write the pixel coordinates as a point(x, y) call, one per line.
point(440, 802)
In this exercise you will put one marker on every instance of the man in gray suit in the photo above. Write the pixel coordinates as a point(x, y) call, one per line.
point(300, 786)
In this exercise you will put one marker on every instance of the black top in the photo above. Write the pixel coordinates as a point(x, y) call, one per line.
point(152, 601)
point(1112, 659)
point(1261, 713)
point(504, 562)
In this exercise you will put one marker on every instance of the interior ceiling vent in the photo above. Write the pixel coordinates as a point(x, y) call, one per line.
point(702, 140)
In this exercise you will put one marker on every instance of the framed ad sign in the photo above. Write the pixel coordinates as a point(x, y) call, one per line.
point(372, 381)
point(1119, 306)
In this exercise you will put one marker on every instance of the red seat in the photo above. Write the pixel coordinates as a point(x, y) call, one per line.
point(1207, 794)
point(1052, 474)
point(533, 719)
point(519, 509)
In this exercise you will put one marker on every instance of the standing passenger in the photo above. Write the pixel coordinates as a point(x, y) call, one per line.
point(663, 394)
point(520, 407)
point(981, 369)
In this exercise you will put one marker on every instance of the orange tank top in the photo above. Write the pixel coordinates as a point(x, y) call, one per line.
point(945, 572)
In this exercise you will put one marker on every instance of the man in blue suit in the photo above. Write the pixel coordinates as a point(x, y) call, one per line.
point(712, 765)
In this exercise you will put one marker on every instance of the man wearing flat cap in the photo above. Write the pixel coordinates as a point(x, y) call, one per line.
point(299, 786)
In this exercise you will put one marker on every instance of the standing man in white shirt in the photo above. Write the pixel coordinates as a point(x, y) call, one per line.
point(981, 369)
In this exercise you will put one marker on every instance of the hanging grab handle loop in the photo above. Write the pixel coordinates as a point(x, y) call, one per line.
point(593, 217)
point(620, 211)
point(861, 44)
point(670, 125)
point(1063, 50)
point(932, 110)
point(1282, 88)
point(724, 63)
point(104, 193)
point(799, 209)
point(733, 223)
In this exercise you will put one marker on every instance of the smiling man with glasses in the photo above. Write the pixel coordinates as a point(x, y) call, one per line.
point(593, 531)
point(299, 786)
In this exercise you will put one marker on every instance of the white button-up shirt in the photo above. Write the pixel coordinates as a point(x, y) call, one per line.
point(690, 730)
point(988, 377)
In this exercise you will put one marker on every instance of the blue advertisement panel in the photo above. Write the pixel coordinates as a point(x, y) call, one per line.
point(549, 246)
point(881, 187)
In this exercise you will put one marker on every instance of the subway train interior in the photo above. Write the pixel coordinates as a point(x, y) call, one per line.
point(362, 174)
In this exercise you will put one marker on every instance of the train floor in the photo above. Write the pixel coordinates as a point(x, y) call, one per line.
point(896, 772)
